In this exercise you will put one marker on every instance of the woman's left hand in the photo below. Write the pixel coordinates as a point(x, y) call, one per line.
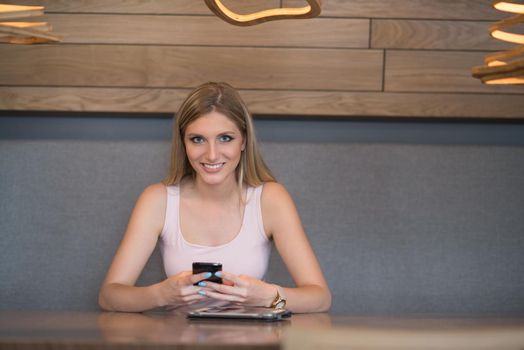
point(242, 289)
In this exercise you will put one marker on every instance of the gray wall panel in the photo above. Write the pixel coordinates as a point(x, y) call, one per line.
point(400, 227)
point(411, 228)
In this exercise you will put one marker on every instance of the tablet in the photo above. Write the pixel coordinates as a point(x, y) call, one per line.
point(239, 312)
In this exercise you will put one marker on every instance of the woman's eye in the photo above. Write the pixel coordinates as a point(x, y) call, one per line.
point(197, 139)
point(225, 138)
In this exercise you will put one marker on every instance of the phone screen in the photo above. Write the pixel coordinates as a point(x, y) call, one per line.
point(199, 267)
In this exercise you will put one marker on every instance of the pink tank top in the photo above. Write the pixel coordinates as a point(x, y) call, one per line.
point(247, 254)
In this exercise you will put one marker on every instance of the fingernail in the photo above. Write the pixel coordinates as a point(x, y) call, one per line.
point(202, 292)
point(202, 284)
point(208, 274)
point(218, 274)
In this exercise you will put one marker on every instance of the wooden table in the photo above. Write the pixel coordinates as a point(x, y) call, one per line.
point(103, 330)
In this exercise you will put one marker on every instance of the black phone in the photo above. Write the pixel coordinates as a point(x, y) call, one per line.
point(199, 267)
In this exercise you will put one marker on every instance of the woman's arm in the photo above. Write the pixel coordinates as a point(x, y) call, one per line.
point(118, 292)
point(282, 222)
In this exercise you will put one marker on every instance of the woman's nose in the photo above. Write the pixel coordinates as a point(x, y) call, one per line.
point(211, 152)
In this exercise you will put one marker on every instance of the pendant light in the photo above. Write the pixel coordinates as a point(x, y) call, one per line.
point(311, 10)
point(24, 32)
point(505, 67)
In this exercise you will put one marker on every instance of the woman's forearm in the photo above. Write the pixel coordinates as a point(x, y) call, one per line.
point(312, 298)
point(120, 297)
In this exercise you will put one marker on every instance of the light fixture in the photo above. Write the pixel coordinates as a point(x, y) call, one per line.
point(24, 32)
point(311, 10)
point(499, 30)
point(505, 67)
point(509, 6)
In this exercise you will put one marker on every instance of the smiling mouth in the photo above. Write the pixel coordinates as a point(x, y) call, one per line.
point(213, 166)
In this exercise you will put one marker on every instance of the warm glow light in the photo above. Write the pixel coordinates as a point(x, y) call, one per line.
point(261, 14)
point(505, 67)
point(17, 11)
point(503, 81)
point(513, 55)
point(498, 29)
point(310, 11)
point(24, 24)
point(508, 6)
point(496, 63)
point(509, 37)
point(24, 32)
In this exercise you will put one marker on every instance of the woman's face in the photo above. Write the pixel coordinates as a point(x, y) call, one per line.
point(213, 146)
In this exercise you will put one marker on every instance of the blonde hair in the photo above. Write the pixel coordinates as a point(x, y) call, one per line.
point(222, 98)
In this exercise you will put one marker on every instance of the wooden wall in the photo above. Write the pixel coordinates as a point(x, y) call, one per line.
point(402, 58)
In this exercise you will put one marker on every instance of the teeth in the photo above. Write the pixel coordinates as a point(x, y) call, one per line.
point(213, 166)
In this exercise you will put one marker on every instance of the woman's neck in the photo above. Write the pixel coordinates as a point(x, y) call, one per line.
point(220, 192)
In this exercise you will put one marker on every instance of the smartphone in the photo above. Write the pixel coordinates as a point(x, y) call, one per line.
point(199, 267)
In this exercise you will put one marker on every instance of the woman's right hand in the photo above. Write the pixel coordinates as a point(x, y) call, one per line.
point(180, 289)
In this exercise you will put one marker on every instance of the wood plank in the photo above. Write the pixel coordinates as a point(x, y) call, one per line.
point(145, 6)
point(436, 9)
point(399, 337)
point(446, 35)
point(183, 67)
point(379, 104)
point(443, 71)
point(411, 9)
point(206, 30)
point(264, 102)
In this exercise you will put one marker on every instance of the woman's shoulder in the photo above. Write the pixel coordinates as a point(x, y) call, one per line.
point(274, 193)
point(273, 188)
point(156, 188)
point(156, 192)
point(151, 206)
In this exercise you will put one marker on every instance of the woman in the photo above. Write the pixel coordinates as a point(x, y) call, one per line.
point(219, 203)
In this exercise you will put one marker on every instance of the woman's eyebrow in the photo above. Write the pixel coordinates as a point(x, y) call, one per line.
point(219, 133)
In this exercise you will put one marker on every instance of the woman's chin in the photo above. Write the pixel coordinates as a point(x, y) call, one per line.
point(213, 179)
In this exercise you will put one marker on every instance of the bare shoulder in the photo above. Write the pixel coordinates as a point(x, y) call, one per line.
point(150, 208)
point(156, 190)
point(154, 196)
point(274, 191)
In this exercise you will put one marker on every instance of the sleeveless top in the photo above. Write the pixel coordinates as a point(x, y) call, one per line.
point(246, 254)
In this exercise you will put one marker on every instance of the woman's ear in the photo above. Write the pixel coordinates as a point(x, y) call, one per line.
point(243, 145)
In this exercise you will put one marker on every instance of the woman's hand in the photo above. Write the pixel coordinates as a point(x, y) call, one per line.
point(241, 289)
point(179, 289)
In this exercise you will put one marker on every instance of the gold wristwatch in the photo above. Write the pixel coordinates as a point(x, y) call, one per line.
point(279, 302)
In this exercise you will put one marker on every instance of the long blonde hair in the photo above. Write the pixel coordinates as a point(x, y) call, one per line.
point(222, 98)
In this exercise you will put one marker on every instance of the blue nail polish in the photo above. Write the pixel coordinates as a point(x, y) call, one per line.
point(202, 292)
point(208, 274)
point(218, 274)
point(202, 284)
